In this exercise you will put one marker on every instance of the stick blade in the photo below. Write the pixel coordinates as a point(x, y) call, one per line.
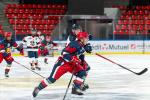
point(143, 71)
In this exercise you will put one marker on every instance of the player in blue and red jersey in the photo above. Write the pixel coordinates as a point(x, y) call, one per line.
point(69, 62)
point(5, 50)
point(76, 28)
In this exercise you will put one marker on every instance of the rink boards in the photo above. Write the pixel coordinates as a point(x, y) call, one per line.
point(108, 47)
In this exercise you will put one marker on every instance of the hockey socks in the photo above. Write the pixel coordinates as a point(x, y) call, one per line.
point(34, 64)
point(7, 71)
point(45, 60)
point(41, 86)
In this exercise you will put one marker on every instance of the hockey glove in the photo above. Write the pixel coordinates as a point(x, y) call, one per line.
point(76, 60)
point(90, 37)
point(20, 49)
point(5, 54)
point(88, 48)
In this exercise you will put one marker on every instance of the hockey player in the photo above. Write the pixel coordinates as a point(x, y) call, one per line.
point(46, 47)
point(41, 36)
point(5, 51)
point(69, 62)
point(72, 37)
point(33, 43)
point(75, 30)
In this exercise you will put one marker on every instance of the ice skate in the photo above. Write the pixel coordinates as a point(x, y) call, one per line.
point(35, 92)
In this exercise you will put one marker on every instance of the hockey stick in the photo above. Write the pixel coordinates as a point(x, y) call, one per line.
point(68, 87)
point(137, 73)
point(29, 69)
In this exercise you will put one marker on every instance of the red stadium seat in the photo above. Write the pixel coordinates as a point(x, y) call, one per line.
point(134, 27)
point(130, 27)
point(137, 18)
point(134, 17)
point(132, 32)
point(126, 22)
point(115, 32)
point(136, 12)
point(130, 12)
point(120, 22)
point(147, 22)
point(141, 27)
point(123, 27)
point(118, 27)
point(25, 16)
point(24, 6)
point(140, 17)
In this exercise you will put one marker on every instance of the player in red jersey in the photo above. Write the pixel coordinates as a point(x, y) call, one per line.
point(69, 62)
point(5, 50)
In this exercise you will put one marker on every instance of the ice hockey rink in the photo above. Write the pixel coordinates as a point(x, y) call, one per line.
point(106, 80)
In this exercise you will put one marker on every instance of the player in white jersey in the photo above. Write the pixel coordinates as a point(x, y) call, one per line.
point(41, 36)
point(33, 43)
point(76, 28)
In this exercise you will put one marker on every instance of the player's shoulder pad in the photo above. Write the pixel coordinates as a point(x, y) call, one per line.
point(72, 37)
point(74, 44)
point(2, 41)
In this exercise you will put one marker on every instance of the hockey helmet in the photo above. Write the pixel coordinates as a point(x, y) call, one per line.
point(7, 34)
point(39, 33)
point(82, 35)
point(33, 31)
point(76, 26)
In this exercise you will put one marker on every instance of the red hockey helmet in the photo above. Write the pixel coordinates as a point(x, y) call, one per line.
point(7, 34)
point(82, 35)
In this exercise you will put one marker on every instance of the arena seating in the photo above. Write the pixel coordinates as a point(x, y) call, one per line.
point(23, 17)
point(1, 29)
point(133, 19)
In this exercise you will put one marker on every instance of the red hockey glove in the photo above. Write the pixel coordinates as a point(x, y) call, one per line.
point(76, 60)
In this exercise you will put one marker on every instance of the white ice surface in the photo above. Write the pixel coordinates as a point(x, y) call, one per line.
point(106, 80)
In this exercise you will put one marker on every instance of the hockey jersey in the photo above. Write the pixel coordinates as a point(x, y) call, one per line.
point(74, 48)
point(6, 45)
point(32, 43)
point(71, 37)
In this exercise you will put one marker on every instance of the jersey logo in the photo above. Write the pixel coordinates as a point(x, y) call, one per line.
point(8, 50)
point(8, 45)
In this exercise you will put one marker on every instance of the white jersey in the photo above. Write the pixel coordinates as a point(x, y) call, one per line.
point(41, 38)
point(32, 43)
